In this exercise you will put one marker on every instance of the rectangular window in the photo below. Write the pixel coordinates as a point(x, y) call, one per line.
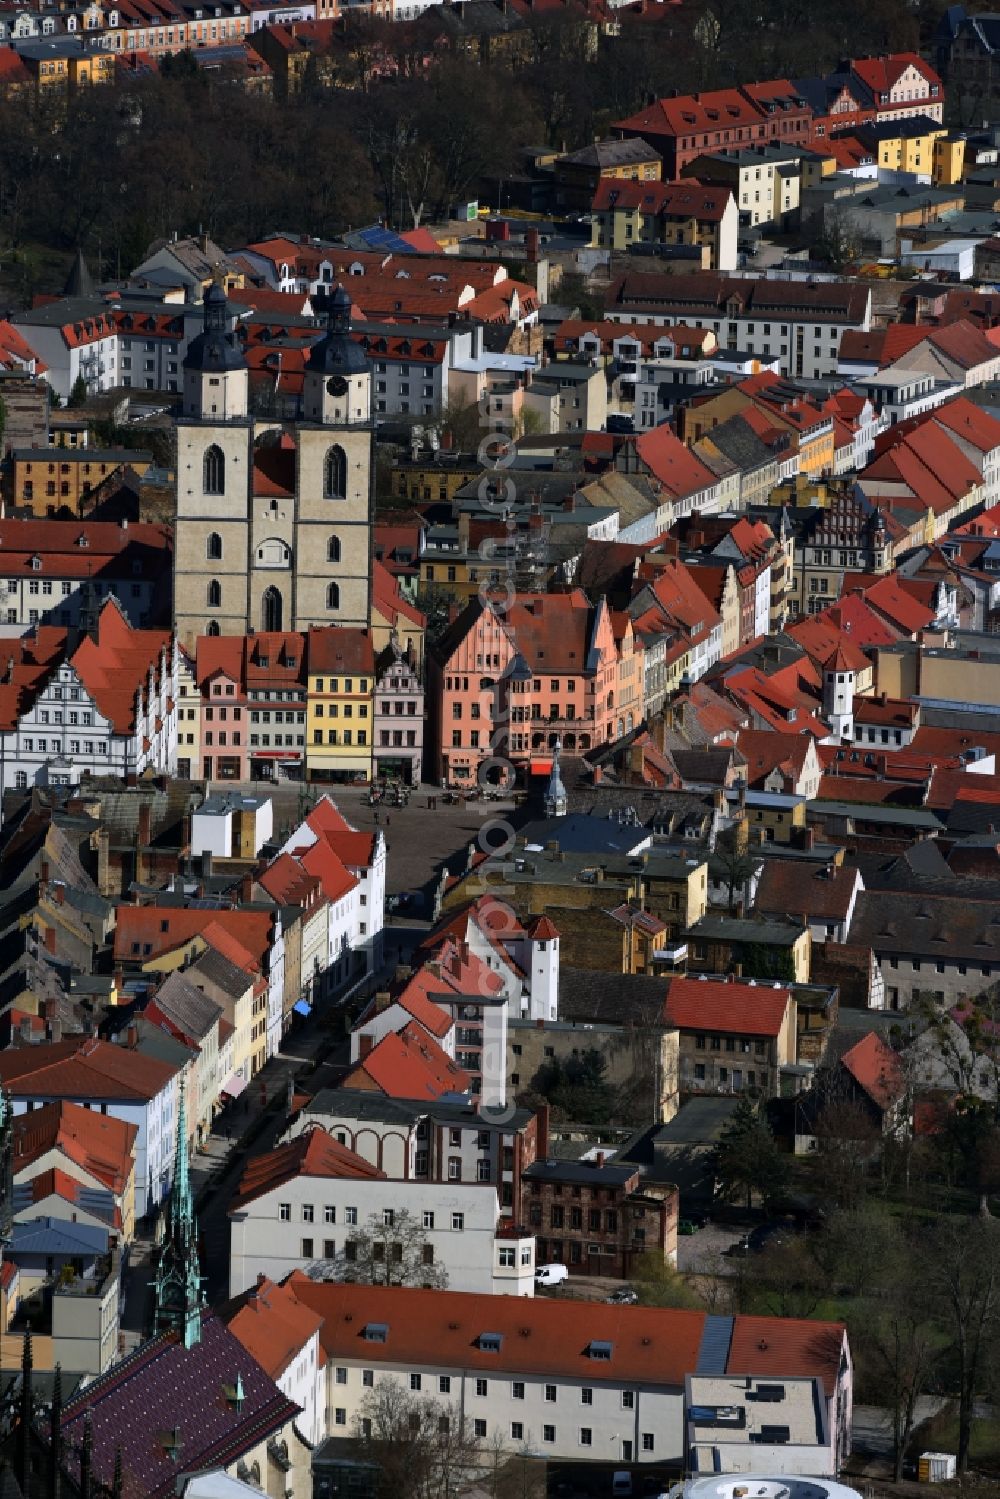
point(368, 1378)
point(307, 1249)
point(587, 1396)
point(586, 1436)
point(444, 1384)
point(340, 1416)
point(550, 1393)
point(481, 1387)
point(647, 1441)
point(517, 1390)
point(285, 1212)
point(628, 1400)
point(414, 1381)
point(341, 1374)
point(458, 1222)
point(307, 1212)
point(329, 1214)
point(479, 1428)
point(548, 1433)
point(428, 1219)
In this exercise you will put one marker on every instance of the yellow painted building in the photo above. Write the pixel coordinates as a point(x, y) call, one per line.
point(43, 480)
point(340, 704)
point(918, 146)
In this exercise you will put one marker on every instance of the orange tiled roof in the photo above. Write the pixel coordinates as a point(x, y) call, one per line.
point(313, 1153)
point(274, 1325)
point(408, 1064)
point(735, 1009)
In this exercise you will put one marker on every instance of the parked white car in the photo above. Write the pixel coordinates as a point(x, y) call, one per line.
point(551, 1275)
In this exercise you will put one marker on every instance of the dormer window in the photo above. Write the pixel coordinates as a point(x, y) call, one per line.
point(36, 564)
point(600, 1350)
point(490, 1342)
point(376, 1332)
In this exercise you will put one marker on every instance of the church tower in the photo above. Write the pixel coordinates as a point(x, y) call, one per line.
point(274, 519)
point(838, 694)
point(179, 1299)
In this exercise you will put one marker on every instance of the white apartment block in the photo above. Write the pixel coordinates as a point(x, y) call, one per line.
point(311, 1223)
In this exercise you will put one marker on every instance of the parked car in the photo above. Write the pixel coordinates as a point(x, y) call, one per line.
point(623, 1296)
point(621, 1484)
point(551, 1275)
point(757, 1239)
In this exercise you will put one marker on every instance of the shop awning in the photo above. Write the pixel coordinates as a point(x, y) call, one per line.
point(234, 1087)
point(302, 1007)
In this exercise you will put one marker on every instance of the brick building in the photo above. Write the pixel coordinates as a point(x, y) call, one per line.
point(592, 1216)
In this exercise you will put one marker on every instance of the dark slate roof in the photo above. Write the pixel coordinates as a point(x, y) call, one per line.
point(708, 764)
point(612, 998)
point(189, 1009)
point(586, 1171)
point(929, 926)
point(219, 970)
point(747, 929)
point(163, 1386)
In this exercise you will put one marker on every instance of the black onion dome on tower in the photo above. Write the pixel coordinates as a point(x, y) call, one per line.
point(216, 349)
point(337, 353)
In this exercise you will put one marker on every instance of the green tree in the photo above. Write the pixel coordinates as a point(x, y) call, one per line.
point(962, 1268)
point(392, 1249)
point(576, 1088)
point(419, 1446)
point(747, 1158)
point(659, 1283)
point(78, 394)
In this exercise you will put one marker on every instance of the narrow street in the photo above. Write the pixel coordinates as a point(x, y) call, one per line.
point(247, 1127)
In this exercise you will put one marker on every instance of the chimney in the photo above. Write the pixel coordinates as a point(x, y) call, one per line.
point(206, 863)
point(132, 1037)
point(600, 1159)
point(50, 939)
point(737, 972)
point(246, 889)
point(383, 999)
point(44, 874)
point(60, 893)
point(54, 1030)
point(25, 1027)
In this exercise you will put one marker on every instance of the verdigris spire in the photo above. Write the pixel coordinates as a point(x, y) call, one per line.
point(179, 1298)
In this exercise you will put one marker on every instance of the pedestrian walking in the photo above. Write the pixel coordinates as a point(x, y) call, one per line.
point(388, 819)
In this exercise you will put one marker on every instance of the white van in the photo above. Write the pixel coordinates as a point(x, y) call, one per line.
point(621, 1484)
point(552, 1275)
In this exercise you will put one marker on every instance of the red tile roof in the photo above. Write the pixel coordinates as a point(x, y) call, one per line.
point(115, 665)
point(274, 1325)
point(734, 1008)
point(165, 928)
point(313, 1153)
point(876, 1068)
point(408, 1064)
point(701, 201)
point(539, 1335)
point(98, 1143)
point(84, 1068)
point(790, 1346)
point(679, 470)
point(819, 893)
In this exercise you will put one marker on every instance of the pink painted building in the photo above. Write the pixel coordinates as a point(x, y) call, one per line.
point(551, 663)
point(252, 705)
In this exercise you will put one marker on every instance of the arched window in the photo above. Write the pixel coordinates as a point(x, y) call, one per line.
point(333, 596)
point(621, 728)
point(271, 610)
point(213, 547)
point(213, 627)
point(333, 549)
point(335, 474)
point(214, 594)
point(630, 723)
point(214, 471)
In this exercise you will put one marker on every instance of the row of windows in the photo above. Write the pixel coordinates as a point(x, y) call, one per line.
point(213, 595)
point(214, 548)
point(351, 1216)
point(213, 472)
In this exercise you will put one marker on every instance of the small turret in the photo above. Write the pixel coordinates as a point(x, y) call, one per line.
point(215, 369)
point(337, 384)
point(556, 800)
